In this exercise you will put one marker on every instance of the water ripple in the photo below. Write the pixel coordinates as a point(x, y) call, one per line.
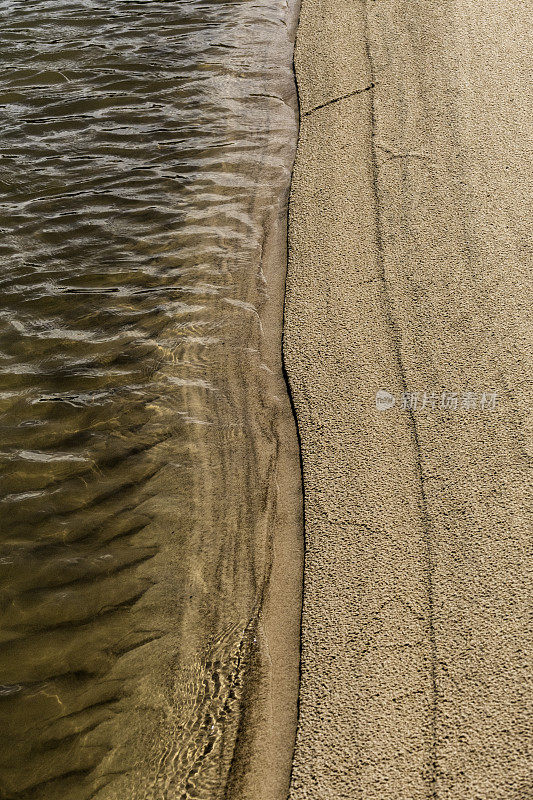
point(142, 145)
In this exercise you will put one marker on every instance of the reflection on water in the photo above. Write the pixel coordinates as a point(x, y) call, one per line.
point(145, 150)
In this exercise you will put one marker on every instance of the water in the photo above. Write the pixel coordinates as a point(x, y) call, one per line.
point(146, 151)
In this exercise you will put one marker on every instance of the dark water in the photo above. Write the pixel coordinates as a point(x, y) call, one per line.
point(145, 149)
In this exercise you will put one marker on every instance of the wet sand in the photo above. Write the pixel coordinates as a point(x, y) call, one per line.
point(409, 267)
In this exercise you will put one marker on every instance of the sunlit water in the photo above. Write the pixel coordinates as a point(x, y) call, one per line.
point(145, 149)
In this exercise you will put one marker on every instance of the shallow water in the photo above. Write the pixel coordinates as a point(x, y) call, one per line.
point(146, 151)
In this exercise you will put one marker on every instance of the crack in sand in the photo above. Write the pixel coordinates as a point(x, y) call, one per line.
point(338, 99)
point(425, 521)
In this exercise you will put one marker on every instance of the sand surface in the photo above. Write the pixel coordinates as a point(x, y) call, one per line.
point(409, 272)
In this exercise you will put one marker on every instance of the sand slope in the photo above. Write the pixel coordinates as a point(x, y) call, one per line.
point(409, 272)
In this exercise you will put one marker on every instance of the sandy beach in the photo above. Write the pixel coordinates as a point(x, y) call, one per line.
point(409, 275)
point(266, 422)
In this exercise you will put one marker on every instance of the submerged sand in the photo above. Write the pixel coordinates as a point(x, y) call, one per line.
point(151, 508)
point(409, 273)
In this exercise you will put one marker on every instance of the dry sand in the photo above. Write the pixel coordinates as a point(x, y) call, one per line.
point(409, 272)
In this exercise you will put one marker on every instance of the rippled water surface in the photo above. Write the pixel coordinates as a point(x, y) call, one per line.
point(146, 149)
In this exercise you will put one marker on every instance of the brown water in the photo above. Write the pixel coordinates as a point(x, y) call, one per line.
point(146, 150)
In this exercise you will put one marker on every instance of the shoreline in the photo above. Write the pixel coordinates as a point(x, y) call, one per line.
point(403, 277)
